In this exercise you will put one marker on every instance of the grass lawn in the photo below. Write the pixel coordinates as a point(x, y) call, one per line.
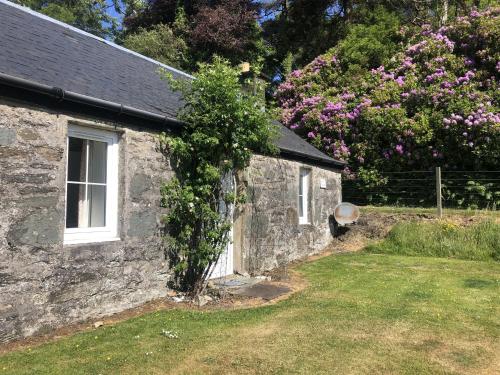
point(478, 241)
point(362, 313)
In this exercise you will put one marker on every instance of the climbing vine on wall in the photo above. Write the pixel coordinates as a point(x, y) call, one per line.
point(223, 127)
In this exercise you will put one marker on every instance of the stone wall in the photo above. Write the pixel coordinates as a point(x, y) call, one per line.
point(267, 233)
point(43, 283)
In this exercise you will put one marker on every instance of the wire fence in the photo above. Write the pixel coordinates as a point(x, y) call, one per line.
point(458, 189)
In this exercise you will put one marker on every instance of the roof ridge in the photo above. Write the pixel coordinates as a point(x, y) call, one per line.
point(81, 32)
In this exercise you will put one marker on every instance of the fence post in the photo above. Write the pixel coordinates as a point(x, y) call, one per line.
point(438, 193)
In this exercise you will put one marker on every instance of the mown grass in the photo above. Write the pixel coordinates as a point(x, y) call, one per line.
point(362, 313)
point(480, 241)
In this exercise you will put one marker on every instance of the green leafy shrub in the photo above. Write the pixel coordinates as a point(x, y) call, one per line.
point(371, 42)
point(223, 127)
point(434, 103)
point(161, 43)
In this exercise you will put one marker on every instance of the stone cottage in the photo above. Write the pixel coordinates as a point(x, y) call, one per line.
point(80, 176)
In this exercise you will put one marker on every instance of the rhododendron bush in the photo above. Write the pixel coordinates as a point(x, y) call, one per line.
point(435, 104)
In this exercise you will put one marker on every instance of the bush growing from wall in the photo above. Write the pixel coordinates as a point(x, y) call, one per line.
point(223, 126)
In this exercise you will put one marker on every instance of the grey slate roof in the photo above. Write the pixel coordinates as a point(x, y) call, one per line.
point(288, 141)
point(46, 51)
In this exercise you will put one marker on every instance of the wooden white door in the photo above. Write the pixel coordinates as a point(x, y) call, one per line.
point(224, 266)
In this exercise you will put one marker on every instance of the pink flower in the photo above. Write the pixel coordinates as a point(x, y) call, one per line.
point(400, 80)
point(417, 48)
point(312, 101)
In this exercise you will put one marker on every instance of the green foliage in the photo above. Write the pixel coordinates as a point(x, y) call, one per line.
point(370, 42)
point(88, 15)
point(473, 194)
point(287, 64)
point(266, 33)
point(161, 43)
point(434, 103)
point(363, 28)
point(166, 43)
point(480, 241)
point(226, 28)
point(223, 126)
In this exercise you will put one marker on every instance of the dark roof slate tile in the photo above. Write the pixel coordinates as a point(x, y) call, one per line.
point(46, 51)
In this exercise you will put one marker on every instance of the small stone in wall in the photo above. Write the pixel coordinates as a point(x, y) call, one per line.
point(178, 299)
point(98, 324)
point(202, 300)
point(262, 277)
point(171, 293)
point(139, 184)
point(7, 136)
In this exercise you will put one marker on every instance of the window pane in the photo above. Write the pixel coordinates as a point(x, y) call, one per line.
point(75, 206)
point(301, 192)
point(97, 161)
point(303, 195)
point(77, 159)
point(97, 205)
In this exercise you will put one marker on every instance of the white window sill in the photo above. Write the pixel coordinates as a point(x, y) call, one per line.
point(90, 240)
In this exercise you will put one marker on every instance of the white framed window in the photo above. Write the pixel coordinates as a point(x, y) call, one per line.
point(304, 195)
point(91, 185)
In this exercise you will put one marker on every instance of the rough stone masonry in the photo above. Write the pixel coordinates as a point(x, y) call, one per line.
point(45, 284)
point(267, 233)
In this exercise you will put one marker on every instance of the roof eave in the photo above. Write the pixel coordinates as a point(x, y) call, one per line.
point(332, 163)
point(69, 96)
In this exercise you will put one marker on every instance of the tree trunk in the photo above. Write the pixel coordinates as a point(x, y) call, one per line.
point(444, 13)
point(346, 9)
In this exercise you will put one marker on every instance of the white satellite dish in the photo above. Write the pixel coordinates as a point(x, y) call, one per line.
point(346, 213)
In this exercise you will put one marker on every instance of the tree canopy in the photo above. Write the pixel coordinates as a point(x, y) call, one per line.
point(275, 36)
point(92, 16)
point(434, 101)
